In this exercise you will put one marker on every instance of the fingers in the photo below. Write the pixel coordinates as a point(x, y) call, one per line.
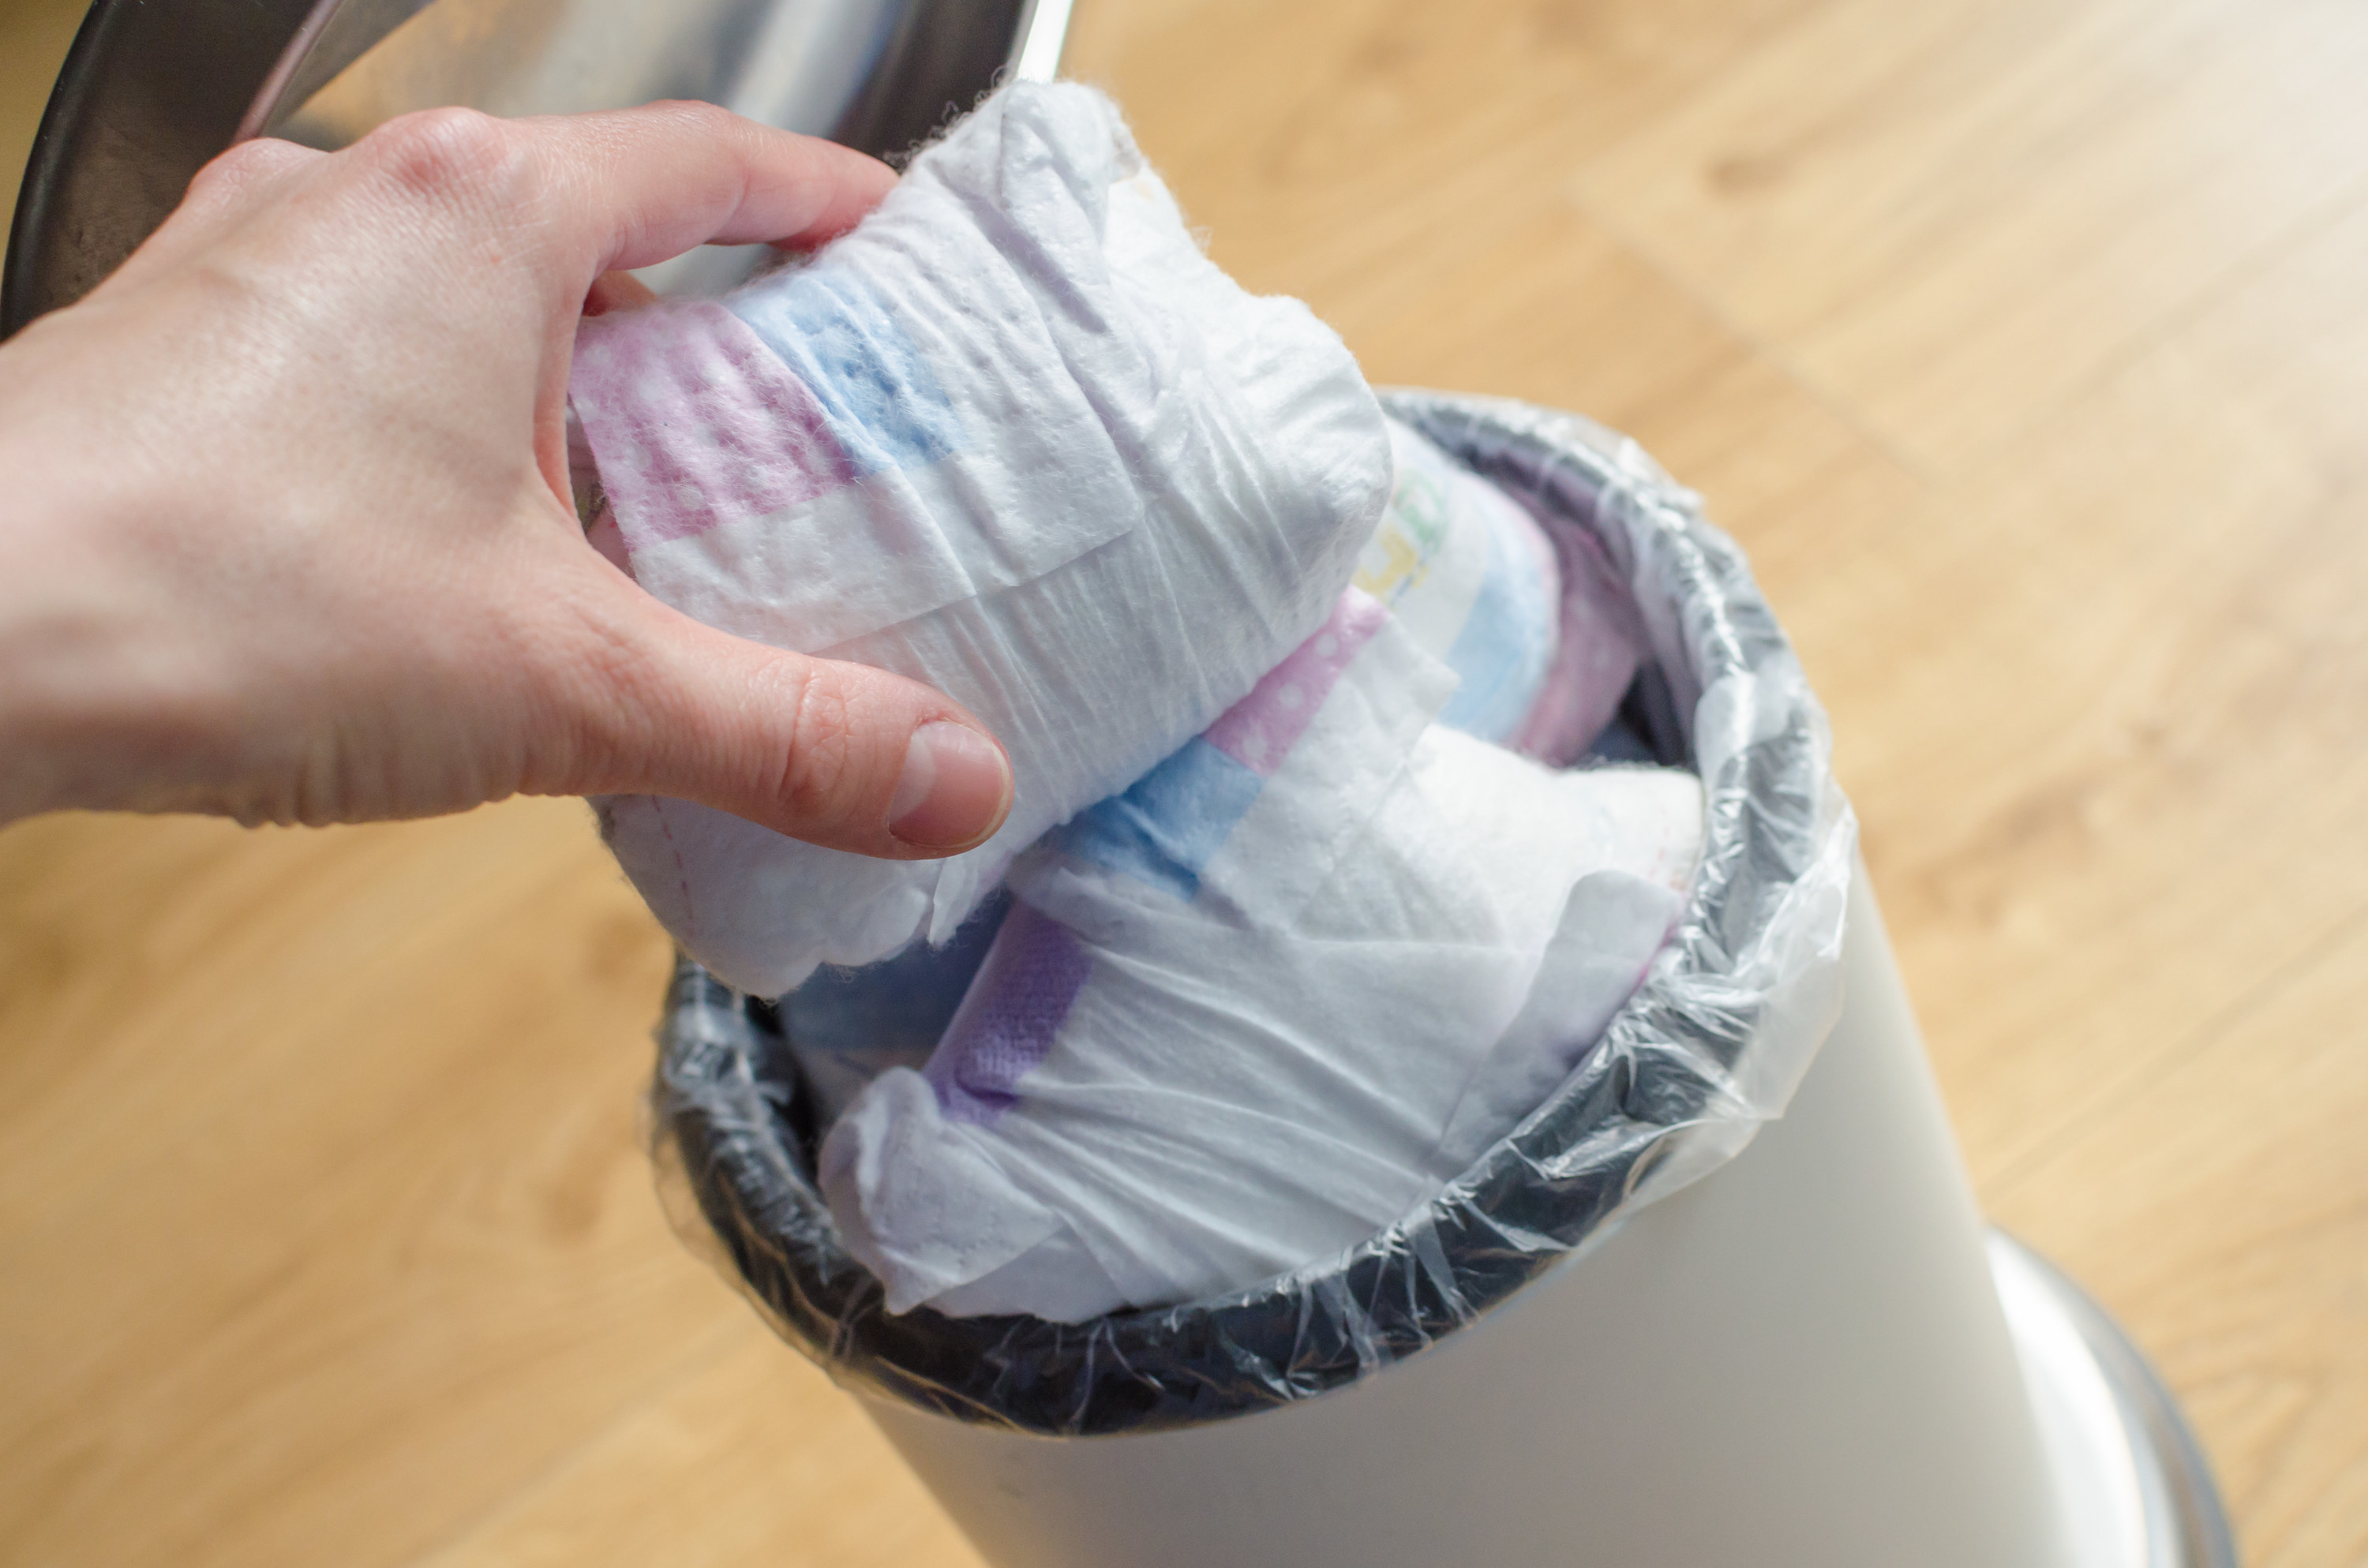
point(239, 174)
point(643, 185)
point(840, 754)
point(614, 190)
point(576, 197)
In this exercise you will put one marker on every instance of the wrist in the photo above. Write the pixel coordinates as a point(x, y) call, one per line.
point(71, 649)
point(43, 637)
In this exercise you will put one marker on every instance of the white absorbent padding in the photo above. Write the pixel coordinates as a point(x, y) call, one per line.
point(1468, 573)
point(1253, 1009)
point(1014, 437)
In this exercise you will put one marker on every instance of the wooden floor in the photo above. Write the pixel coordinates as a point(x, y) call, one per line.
point(2024, 343)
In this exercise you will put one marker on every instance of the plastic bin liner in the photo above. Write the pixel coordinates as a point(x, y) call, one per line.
point(1711, 1045)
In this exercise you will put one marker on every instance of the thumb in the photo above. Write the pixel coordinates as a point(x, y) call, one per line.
point(840, 754)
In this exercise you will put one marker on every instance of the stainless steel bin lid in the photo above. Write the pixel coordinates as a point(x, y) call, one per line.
point(149, 93)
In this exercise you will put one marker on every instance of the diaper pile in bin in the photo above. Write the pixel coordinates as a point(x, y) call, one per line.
point(1219, 1076)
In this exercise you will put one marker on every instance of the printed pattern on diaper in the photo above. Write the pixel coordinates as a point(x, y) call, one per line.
point(1412, 527)
point(701, 416)
point(1504, 651)
point(1017, 1005)
point(883, 401)
point(695, 424)
point(1472, 579)
point(1170, 823)
point(1165, 829)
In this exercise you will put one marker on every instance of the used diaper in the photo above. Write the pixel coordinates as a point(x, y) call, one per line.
point(1014, 437)
point(1470, 575)
point(1297, 914)
point(1266, 1001)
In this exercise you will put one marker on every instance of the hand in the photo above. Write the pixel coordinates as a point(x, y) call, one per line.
point(286, 522)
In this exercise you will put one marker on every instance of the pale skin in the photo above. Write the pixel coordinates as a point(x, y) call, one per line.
point(286, 518)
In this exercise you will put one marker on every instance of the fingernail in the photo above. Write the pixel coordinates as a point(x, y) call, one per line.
point(954, 790)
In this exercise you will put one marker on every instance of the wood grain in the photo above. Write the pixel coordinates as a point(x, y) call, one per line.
point(2020, 341)
point(33, 38)
point(1955, 215)
point(2264, 1324)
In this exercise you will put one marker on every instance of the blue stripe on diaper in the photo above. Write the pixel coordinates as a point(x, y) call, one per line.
point(1501, 653)
point(1164, 831)
point(882, 401)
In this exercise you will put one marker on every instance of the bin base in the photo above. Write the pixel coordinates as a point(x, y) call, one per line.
point(2136, 1490)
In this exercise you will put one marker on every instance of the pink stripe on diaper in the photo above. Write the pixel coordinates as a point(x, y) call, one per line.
point(694, 423)
point(1601, 644)
point(1260, 731)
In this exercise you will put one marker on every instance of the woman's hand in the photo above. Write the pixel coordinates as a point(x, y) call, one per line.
point(285, 523)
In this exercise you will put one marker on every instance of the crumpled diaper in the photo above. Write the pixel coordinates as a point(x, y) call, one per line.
point(1542, 637)
point(1473, 579)
point(1266, 1001)
point(1014, 437)
point(1295, 929)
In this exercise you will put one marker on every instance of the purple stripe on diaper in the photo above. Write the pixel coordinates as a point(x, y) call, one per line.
point(1260, 731)
point(1016, 1005)
point(694, 423)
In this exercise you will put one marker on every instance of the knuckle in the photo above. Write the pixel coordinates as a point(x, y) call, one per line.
point(604, 708)
point(231, 176)
point(444, 153)
point(242, 165)
point(818, 772)
point(698, 115)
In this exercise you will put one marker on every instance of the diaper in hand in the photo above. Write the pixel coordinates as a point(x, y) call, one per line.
point(1014, 437)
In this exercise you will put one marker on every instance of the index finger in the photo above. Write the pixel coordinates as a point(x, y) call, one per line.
point(638, 186)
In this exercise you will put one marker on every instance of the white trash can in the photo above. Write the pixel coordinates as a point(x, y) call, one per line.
point(1656, 1325)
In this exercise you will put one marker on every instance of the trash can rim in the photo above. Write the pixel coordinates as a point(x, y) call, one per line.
point(1711, 1044)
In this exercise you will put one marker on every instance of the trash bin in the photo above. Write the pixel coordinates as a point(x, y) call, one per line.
point(1682, 1315)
